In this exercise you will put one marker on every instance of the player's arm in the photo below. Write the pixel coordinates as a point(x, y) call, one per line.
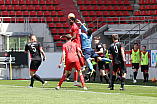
point(62, 59)
point(84, 27)
point(100, 52)
point(42, 52)
point(80, 51)
point(26, 48)
point(123, 55)
point(149, 59)
point(74, 36)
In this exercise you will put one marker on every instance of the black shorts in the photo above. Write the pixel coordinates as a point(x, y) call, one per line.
point(101, 65)
point(144, 67)
point(135, 65)
point(35, 65)
point(107, 67)
point(119, 67)
point(94, 67)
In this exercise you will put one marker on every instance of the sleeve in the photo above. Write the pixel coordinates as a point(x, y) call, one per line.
point(40, 47)
point(148, 55)
point(122, 46)
point(84, 28)
point(109, 50)
point(80, 31)
point(26, 47)
point(63, 48)
point(130, 52)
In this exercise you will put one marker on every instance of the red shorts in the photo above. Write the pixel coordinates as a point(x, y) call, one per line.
point(82, 61)
point(76, 65)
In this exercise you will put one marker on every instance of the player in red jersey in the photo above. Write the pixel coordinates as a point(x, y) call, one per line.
point(71, 60)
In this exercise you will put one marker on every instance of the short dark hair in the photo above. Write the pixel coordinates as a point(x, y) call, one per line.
point(135, 43)
point(144, 46)
point(68, 36)
point(115, 36)
point(72, 18)
point(30, 36)
point(97, 38)
point(90, 31)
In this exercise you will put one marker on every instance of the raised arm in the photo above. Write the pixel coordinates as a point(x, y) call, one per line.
point(84, 27)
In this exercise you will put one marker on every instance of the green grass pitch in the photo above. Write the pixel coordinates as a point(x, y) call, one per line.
point(15, 92)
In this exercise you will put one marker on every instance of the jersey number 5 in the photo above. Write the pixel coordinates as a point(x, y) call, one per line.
point(33, 48)
point(69, 48)
point(116, 49)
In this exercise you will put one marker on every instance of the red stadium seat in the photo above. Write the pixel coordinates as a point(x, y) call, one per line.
point(129, 7)
point(7, 2)
point(106, 2)
point(109, 19)
point(39, 13)
point(116, 19)
point(122, 19)
point(35, 20)
point(126, 13)
point(90, 25)
point(101, 19)
point(60, 31)
point(30, 7)
point(49, 19)
point(142, 7)
point(93, 2)
point(94, 18)
point(32, 13)
point(22, 2)
point(28, 2)
point(89, 7)
point(148, 7)
point(10, 7)
point(104, 23)
point(48, 2)
point(44, 7)
point(55, 19)
point(18, 13)
point(147, 1)
point(58, 25)
point(82, 8)
point(120, 2)
point(149, 12)
point(51, 7)
point(132, 18)
point(122, 7)
point(138, 18)
point(42, 2)
point(16, 7)
point(42, 20)
point(113, 2)
point(143, 13)
point(26, 13)
point(46, 13)
point(57, 7)
point(154, 6)
point(6, 20)
point(23, 7)
point(88, 19)
point(62, 19)
point(21, 20)
point(86, 2)
point(143, 18)
point(60, 13)
point(97, 25)
point(105, 13)
point(98, 13)
point(35, 2)
point(14, 20)
point(11, 13)
point(112, 13)
point(84, 13)
point(79, 2)
point(100, 2)
point(94, 30)
point(137, 13)
point(119, 13)
point(150, 18)
point(14, 2)
point(67, 31)
point(155, 12)
point(53, 13)
point(56, 37)
point(55, 2)
point(116, 7)
point(141, 2)
point(37, 7)
point(3, 7)
point(51, 25)
point(153, 1)
point(102, 7)
point(109, 7)
point(54, 31)
point(59, 44)
point(126, 2)
point(91, 13)
point(95, 7)
point(65, 25)
point(155, 18)
point(1, 2)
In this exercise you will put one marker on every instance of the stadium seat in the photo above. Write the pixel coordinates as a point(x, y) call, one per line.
point(113, 2)
point(57, 7)
point(53, 13)
point(112, 13)
point(148, 7)
point(60, 13)
point(55, 19)
point(126, 13)
point(30, 7)
point(143, 18)
point(138, 18)
point(55, 2)
point(39, 13)
point(37, 7)
point(22, 2)
point(79, 2)
point(137, 13)
point(51, 25)
point(46, 13)
point(59, 44)
point(155, 18)
point(42, 20)
point(33, 13)
point(150, 18)
point(132, 18)
point(84, 13)
point(65, 25)
point(104, 23)
point(48, 19)
point(119, 2)
point(93, 2)
point(109, 7)
point(26, 13)
point(94, 30)
point(18, 13)
point(116, 19)
point(98, 13)
point(14, 2)
point(90, 25)
point(7, 2)
point(91, 13)
point(106, 2)
point(44, 7)
point(4, 13)
point(56, 37)
point(122, 18)
point(28, 2)
point(11, 13)
point(89, 7)
point(48, 2)
point(54, 31)
point(6, 20)
point(154, 7)
point(94, 18)
point(149, 12)
point(101, 19)
point(147, 1)
point(10, 7)
point(82, 8)
point(86, 2)
point(141, 2)
point(102, 7)
point(153, 2)
point(88, 19)
point(116, 7)
point(67, 31)
point(119, 13)
point(35, 20)
point(122, 7)
point(16, 7)
point(20, 20)
point(126, 2)
point(3, 7)
point(95, 7)
point(58, 25)
point(129, 7)
point(1, 2)
point(62, 19)
point(14, 20)
point(109, 19)
point(155, 12)
point(143, 13)
point(105, 13)
point(60, 31)
point(51, 7)
point(42, 2)
point(35, 2)
point(142, 7)
point(97, 25)
point(100, 2)
point(23, 7)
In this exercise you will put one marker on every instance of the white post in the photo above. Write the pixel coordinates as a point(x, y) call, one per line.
point(7, 43)
point(19, 44)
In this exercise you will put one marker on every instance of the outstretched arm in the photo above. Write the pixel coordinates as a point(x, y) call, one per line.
point(84, 27)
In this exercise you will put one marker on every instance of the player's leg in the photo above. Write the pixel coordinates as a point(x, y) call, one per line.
point(104, 59)
point(94, 66)
point(146, 73)
point(135, 67)
point(32, 78)
point(123, 81)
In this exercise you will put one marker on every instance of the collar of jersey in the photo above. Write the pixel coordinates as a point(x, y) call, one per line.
point(116, 41)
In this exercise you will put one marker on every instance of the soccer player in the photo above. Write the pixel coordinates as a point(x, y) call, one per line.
point(117, 50)
point(35, 50)
point(145, 63)
point(135, 59)
point(71, 59)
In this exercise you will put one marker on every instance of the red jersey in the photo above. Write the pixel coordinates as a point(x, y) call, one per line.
point(70, 49)
point(74, 29)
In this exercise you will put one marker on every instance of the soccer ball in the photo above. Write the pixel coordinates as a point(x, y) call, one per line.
point(71, 15)
point(153, 79)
